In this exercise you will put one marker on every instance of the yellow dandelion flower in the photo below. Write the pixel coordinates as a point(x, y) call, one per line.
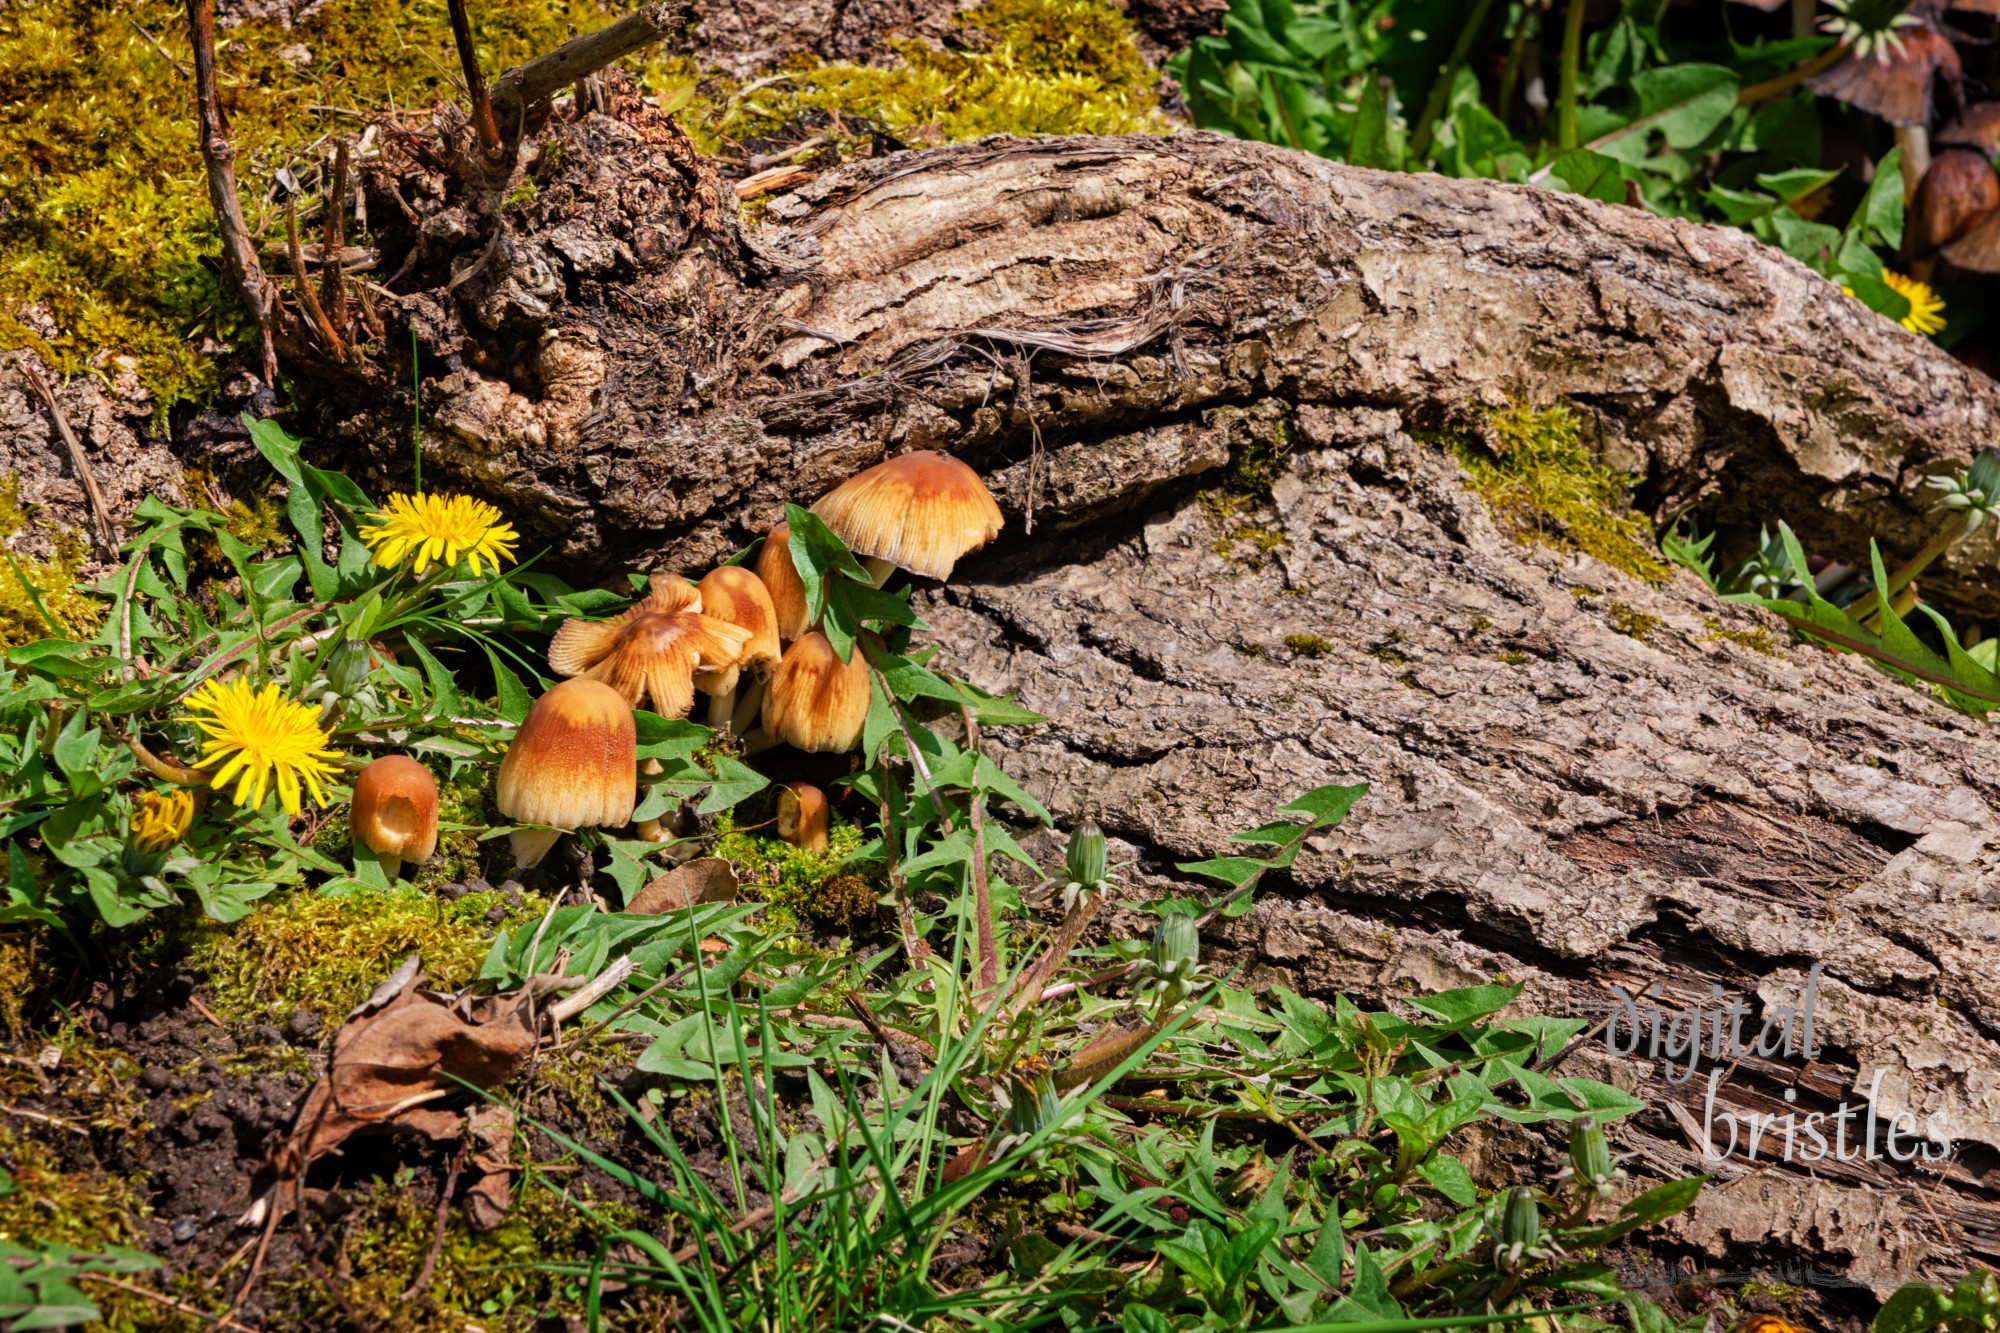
point(255, 734)
point(1926, 306)
point(158, 822)
point(441, 528)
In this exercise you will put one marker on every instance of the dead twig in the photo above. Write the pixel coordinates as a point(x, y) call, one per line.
point(982, 892)
point(218, 155)
point(307, 295)
point(483, 121)
point(333, 293)
point(416, 1288)
point(100, 513)
point(219, 1321)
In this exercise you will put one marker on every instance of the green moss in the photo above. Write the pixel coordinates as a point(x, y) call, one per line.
point(1308, 645)
point(1757, 640)
point(1630, 621)
point(257, 524)
point(327, 952)
point(1020, 67)
point(41, 597)
point(106, 239)
point(1542, 482)
point(500, 1279)
point(798, 884)
point(1512, 657)
point(1480, 624)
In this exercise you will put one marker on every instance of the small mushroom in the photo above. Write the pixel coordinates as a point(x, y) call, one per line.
point(781, 580)
point(738, 597)
point(802, 816)
point(394, 813)
point(919, 511)
point(654, 649)
point(815, 701)
point(573, 764)
point(1894, 80)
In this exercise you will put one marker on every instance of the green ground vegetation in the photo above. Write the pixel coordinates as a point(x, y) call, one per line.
point(40, 597)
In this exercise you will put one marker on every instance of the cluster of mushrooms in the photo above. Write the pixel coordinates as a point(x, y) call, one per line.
point(740, 636)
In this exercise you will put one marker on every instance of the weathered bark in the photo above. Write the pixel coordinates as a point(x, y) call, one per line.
point(1094, 323)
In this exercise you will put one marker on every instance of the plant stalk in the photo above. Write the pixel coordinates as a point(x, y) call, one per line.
point(1434, 102)
point(1572, 76)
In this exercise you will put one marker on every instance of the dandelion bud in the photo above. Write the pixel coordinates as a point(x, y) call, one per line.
point(1520, 1230)
point(1590, 1155)
point(347, 668)
point(1176, 948)
point(1032, 1104)
point(1086, 859)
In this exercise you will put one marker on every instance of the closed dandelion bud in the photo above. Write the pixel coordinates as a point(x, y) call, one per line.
point(1086, 860)
point(1032, 1104)
point(1176, 948)
point(1520, 1230)
point(1590, 1155)
point(347, 668)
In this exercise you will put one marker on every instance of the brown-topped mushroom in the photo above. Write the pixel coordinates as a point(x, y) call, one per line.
point(781, 580)
point(736, 596)
point(1894, 81)
point(1959, 192)
point(802, 816)
point(573, 764)
point(919, 511)
point(394, 813)
point(653, 650)
point(815, 701)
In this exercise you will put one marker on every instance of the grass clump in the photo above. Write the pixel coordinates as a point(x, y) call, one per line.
point(1540, 479)
point(327, 953)
point(1023, 67)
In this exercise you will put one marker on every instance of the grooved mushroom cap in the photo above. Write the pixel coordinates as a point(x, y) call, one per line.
point(736, 596)
point(1897, 85)
point(574, 762)
point(815, 701)
point(781, 580)
point(653, 649)
point(919, 511)
point(395, 809)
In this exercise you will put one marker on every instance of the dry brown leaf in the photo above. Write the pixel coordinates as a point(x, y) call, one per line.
point(706, 879)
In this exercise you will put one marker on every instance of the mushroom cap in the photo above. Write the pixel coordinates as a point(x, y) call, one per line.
point(1896, 87)
point(654, 649)
point(395, 808)
point(574, 762)
point(920, 511)
point(802, 816)
point(781, 580)
point(1978, 127)
point(736, 596)
point(1978, 250)
point(815, 701)
point(1959, 192)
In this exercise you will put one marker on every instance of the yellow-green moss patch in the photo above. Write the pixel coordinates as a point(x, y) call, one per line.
point(41, 597)
point(1308, 645)
point(1630, 620)
point(1758, 640)
point(798, 884)
point(1542, 482)
point(328, 952)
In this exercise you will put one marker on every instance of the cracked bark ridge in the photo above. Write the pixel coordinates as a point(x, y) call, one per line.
point(1553, 802)
point(629, 372)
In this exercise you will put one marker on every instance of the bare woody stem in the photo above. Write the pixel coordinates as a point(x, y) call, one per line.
point(239, 256)
point(483, 121)
point(333, 283)
point(541, 78)
point(982, 893)
point(101, 525)
point(334, 345)
point(165, 769)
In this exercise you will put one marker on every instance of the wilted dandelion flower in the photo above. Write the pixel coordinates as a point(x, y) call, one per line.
point(255, 734)
point(1926, 306)
point(444, 529)
point(158, 822)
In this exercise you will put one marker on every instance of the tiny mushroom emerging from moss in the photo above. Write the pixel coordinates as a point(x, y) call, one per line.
point(738, 597)
point(654, 649)
point(573, 764)
point(802, 816)
point(919, 511)
point(395, 812)
point(815, 701)
point(781, 579)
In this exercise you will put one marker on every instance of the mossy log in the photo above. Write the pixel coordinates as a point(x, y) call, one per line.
point(1579, 778)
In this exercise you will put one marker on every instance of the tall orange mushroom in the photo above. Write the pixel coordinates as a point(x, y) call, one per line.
point(738, 597)
point(652, 650)
point(781, 579)
point(919, 511)
point(815, 701)
point(573, 764)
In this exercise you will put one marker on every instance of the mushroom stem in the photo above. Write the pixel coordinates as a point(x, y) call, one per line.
point(392, 866)
point(749, 703)
point(759, 741)
point(532, 844)
point(721, 710)
point(1915, 141)
point(878, 568)
point(651, 830)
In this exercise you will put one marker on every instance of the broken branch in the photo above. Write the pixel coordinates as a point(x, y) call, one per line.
point(541, 78)
point(483, 122)
point(100, 512)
